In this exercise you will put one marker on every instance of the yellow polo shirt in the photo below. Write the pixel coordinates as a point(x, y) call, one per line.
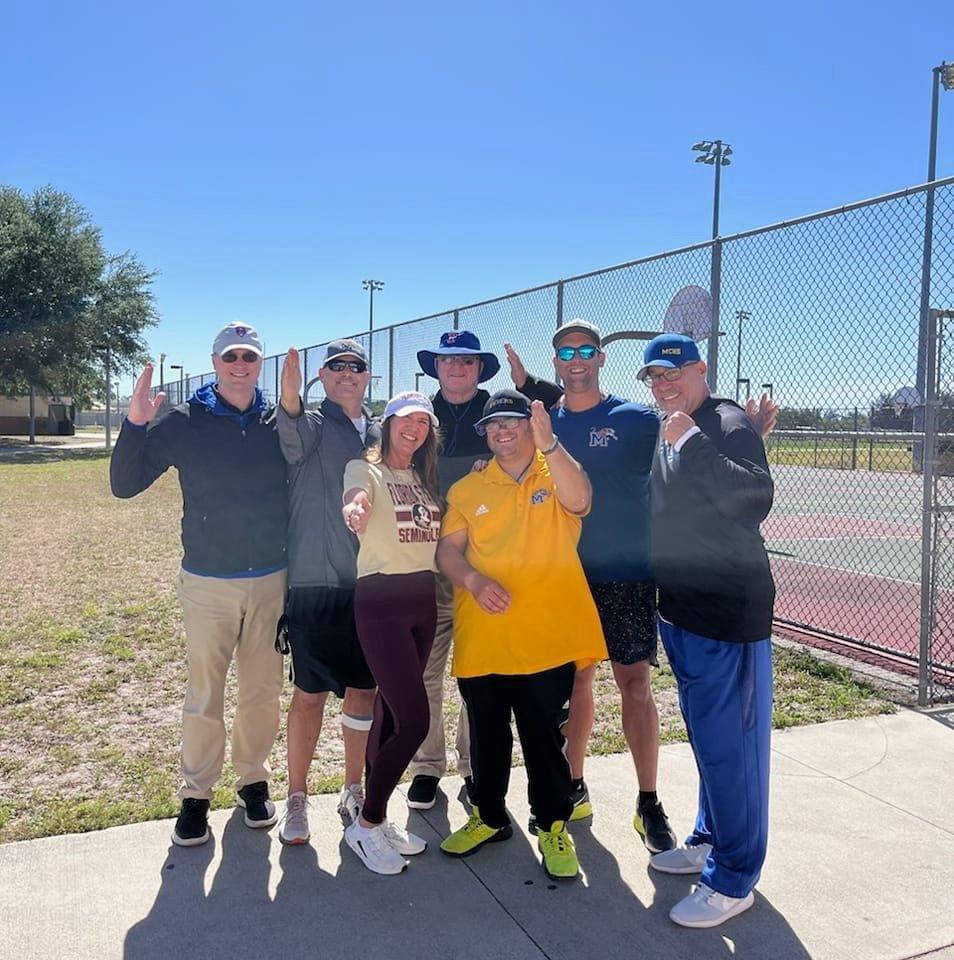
point(521, 536)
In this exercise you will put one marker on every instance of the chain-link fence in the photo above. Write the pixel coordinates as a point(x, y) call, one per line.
point(829, 314)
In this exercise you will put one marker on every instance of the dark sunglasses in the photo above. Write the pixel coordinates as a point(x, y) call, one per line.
point(586, 352)
point(232, 357)
point(339, 366)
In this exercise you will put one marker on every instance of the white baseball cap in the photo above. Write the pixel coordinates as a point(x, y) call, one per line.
point(404, 404)
point(237, 334)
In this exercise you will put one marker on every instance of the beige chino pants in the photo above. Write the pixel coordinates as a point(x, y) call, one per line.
point(431, 759)
point(226, 618)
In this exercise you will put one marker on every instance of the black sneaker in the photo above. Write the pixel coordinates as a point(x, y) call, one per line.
point(259, 810)
point(422, 792)
point(192, 824)
point(469, 790)
point(652, 825)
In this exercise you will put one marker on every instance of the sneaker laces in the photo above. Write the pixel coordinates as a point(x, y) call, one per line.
point(473, 822)
point(559, 839)
point(296, 806)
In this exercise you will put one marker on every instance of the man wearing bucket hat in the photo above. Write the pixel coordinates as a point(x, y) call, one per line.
point(459, 364)
point(223, 444)
point(711, 489)
point(524, 619)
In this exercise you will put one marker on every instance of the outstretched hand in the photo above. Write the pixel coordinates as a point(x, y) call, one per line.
point(357, 512)
point(142, 407)
point(518, 372)
point(291, 383)
point(763, 414)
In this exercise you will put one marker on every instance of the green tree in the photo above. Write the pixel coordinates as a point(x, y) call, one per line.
point(64, 302)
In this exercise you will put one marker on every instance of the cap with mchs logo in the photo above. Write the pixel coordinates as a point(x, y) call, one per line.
point(669, 350)
point(237, 335)
point(345, 348)
point(590, 330)
point(504, 403)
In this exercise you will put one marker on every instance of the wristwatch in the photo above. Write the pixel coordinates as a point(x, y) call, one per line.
point(552, 447)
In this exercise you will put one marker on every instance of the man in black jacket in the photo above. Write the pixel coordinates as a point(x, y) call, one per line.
point(224, 445)
point(710, 491)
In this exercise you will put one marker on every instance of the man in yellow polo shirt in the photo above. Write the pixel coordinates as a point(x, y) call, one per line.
point(524, 620)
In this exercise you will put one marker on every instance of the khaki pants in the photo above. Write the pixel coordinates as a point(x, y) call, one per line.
point(225, 618)
point(431, 759)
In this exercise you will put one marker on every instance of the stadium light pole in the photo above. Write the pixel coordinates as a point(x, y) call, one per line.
point(178, 366)
point(371, 286)
point(943, 74)
point(162, 375)
point(770, 389)
point(740, 315)
point(715, 153)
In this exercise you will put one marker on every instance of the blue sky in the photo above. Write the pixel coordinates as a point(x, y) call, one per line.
point(265, 158)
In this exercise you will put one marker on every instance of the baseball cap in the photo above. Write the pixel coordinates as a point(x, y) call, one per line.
point(344, 348)
point(237, 334)
point(578, 326)
point(408, 402)
point(504, 403)
point(669, 350)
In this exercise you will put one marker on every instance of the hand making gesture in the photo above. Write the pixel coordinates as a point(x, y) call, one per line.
point(142, 407)
point(291, 383)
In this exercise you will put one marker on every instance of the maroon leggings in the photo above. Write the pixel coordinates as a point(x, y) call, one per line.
point(396, 615)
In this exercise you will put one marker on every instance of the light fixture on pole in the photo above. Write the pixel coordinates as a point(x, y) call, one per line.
point(769, 388)
point(371, 286)
point(714, 153)
point(178, 366)
point(417, 381)
point(748, 387)
point(944, 74)
point(740, 315)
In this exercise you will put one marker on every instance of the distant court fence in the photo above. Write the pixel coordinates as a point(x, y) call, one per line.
point(846, 318)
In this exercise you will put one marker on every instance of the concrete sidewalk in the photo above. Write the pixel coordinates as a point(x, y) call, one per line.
point(860, 867)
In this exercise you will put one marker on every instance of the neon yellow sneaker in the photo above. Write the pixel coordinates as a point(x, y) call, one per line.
point(473, 835)
point(559, 853)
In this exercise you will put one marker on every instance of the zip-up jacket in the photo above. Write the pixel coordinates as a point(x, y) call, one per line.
point(232, 475)
point(708, 499)
point(322, 551)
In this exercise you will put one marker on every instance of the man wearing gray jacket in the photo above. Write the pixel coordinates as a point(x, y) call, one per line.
point(325, 652)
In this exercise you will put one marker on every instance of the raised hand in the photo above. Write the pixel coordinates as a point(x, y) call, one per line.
point(518, 372)
point(291, 383)
point(540, 426)
point(357, 512)
point(142, 407)
point(764, 414)
point(675, 425)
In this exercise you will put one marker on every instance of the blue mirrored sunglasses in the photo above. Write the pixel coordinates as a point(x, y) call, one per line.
point(586, 352)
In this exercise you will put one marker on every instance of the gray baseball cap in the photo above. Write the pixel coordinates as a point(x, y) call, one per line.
point(578, 326)
point(345, 348)
point(242, 336)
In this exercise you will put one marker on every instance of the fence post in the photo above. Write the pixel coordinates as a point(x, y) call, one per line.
point(929, 447)
point(715, 291)
point(390, 362)
point(816, 452)
point(457, 319)
point(854, 444)
point(870, 454)
point(559, 305)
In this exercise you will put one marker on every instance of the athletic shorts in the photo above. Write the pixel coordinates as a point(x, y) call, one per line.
point(627, 611)
point(325, 652)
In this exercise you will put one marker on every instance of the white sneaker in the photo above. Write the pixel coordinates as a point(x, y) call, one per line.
point(373, 849)
point(407, 844)
point(350, 802)
point(682, 859)
point(294, 829)
point(706, 908)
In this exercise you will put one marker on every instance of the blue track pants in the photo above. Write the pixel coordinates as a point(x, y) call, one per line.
point(725, 693)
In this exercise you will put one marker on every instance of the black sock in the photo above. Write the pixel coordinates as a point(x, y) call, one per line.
point(646, 796)
point(578, 784)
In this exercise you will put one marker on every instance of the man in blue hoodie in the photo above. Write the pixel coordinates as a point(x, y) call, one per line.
point(224, 444)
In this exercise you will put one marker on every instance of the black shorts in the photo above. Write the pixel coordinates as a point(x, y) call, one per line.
point(627, 611)
point(325, 652)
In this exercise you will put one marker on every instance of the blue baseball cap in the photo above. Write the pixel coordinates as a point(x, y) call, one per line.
point(459, 343)
point(669, 350)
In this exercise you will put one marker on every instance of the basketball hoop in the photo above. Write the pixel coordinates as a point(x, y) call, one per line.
point(899, 409)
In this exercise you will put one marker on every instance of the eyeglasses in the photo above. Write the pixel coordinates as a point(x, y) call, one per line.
point(233, 357)
point(586, 352)
point(339, 366)
point(502, 423)
point(651, 379)
point(457, 358)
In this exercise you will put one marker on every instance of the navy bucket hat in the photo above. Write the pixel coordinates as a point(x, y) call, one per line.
point(459, 343)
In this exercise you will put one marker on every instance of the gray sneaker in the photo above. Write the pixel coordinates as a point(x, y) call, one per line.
point(294, 829)
point(350, 802)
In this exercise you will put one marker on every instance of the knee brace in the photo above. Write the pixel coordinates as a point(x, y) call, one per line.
point(355, 723)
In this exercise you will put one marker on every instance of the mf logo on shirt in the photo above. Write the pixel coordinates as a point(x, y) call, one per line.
point(540, 496)
point(602, 437)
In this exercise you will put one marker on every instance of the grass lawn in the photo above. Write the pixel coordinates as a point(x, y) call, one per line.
point(92, 664)
point(884, 456)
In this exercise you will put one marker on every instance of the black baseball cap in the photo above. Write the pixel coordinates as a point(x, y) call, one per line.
point(504, 403)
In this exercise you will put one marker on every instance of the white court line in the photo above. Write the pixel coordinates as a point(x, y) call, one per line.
point(861, 573)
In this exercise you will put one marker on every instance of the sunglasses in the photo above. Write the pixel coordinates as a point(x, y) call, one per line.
point(586, 352)
point(233, 357)
point(457, 358)
point(339, 366)
point(651, 379)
